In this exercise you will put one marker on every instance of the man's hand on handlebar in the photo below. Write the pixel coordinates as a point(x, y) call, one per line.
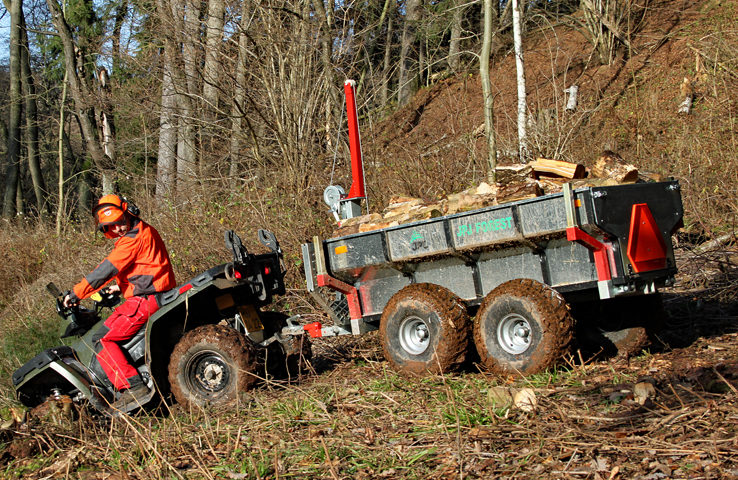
point(68, 302)
point(113, 289)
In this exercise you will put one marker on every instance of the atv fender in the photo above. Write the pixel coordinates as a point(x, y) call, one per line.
point(46, 371)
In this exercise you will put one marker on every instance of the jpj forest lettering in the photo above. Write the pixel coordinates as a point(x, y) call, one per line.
point(467, 229)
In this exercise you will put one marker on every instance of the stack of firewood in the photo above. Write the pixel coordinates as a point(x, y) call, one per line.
point(514, 182)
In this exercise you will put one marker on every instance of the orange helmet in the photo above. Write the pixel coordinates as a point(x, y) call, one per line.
point(112, 210)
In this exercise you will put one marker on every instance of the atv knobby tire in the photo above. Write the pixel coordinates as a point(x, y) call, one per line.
point(210, 365)
point(425, 329)
point(522, 326)
point(288, 357)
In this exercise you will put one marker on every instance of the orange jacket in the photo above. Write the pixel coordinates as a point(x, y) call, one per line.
point(139, 263)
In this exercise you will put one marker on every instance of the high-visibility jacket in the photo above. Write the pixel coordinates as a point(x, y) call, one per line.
point(139, 263)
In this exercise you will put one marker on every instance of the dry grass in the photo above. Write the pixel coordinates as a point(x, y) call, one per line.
point(361, 420)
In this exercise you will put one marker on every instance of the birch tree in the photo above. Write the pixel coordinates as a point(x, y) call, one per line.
point(489, 126)
point(520, 69)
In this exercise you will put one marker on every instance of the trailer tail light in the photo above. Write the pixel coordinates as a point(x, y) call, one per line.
point(267, 270)
point(236, 274)
point(315, 329)
point(646, 247)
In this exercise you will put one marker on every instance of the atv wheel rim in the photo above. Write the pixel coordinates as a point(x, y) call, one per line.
point(208, 373)
point(414, 335)
point(513, 334)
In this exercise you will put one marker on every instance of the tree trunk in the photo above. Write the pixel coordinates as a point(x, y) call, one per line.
point(213, 39)
point(520, 69)
point(60, 184)
point(14, 119)
point(187, 131)
point(29, 91)
point(454, 58)
point(489, 128)
point(84, 96)
point(238, 108)
point(120, 15)
point(386, 63)
point(325, 19)
point(408, 60)
point(167, 156)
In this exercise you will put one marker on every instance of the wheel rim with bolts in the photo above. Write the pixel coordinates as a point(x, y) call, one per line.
point(414, 335)
point(209, 373)
point(513, 334)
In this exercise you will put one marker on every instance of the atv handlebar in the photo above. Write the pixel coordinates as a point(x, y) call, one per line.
point(79, 319)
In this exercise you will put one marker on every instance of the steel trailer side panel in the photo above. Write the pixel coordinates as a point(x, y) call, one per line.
point(376, 286)
point(487, 227)
point(542, 216)
point(569, 263)
point(417, 241)
point(452, 273)
point(498, 266)
point(355, 252)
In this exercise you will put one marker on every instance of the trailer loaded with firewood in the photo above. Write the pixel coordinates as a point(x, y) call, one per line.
point(517, 282)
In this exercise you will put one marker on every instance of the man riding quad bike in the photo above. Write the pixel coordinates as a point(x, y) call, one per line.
point(207, 340)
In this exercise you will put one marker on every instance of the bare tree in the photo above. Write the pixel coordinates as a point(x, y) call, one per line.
point(520, 69)
point(14, 121)
point(31, 110)
point(100, 145)
point(408, 63)
point(213, 39)
point(489, 126)
point(609, 24)
point(167, 156)
point(457, 15)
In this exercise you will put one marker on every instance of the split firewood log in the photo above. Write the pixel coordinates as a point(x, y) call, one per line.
point(612, 165)
point(544, 166)
point(513, 173)
point(514, 192)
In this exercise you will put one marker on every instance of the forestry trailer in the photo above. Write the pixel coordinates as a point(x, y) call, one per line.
point(517, 282)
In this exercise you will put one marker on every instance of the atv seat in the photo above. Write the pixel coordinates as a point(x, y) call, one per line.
point(136, 346)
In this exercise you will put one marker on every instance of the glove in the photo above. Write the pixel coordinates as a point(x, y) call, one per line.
point(70, 300)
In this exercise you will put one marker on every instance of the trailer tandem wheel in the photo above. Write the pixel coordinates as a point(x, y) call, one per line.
point(210, 365)
point(522, 326)
point(425, 328)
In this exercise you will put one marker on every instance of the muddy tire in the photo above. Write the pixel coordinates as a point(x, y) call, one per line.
point(425, 329)
point(522, 326)
point(620, 327)
point(210, 365)
point(288, 358)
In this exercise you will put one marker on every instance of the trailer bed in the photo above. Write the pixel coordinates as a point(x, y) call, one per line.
point(471, 253)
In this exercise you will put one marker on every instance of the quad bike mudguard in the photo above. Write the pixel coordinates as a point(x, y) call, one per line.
point(47, 371)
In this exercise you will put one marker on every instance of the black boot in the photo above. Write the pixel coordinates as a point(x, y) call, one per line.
point(136, 395)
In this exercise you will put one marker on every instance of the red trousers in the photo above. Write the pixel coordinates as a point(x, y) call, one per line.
point(123, 324)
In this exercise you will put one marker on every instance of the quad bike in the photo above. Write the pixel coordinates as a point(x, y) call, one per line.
point(208, 341)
